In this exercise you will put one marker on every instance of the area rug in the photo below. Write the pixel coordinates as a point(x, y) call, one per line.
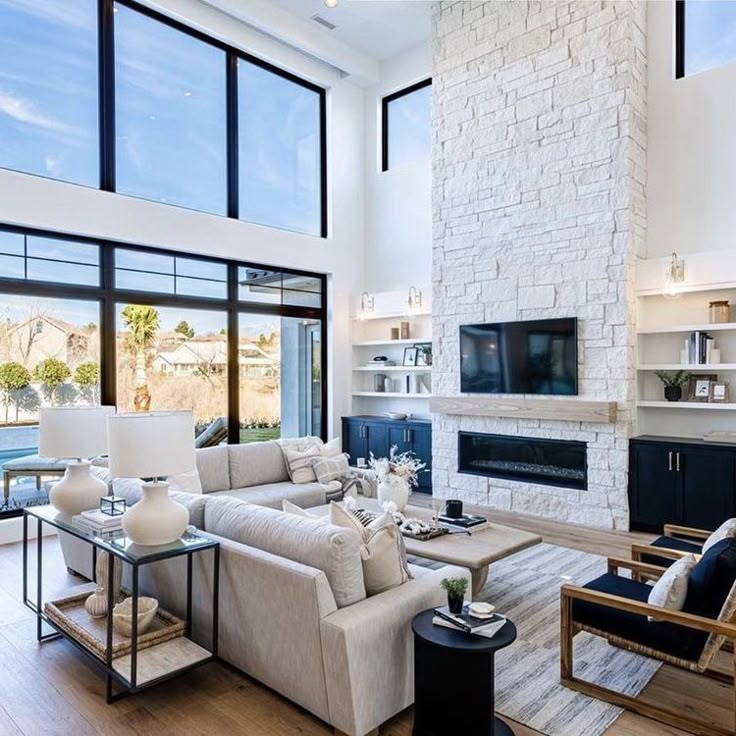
point(525, 587)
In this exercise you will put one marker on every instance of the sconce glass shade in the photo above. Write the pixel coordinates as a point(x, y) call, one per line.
point(674, 278)
point(414, 301)
point(367, 304)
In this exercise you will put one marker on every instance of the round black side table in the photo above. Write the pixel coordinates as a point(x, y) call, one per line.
point(454, 680)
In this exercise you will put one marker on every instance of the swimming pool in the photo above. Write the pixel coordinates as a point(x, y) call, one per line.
point(7, 455)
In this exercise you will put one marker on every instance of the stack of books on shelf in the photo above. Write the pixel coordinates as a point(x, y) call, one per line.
point(699, 346)
point(487, 626)
point(380, 362)
point(97, 522)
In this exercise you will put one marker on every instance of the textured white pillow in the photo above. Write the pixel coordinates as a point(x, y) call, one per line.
point(299, 465)
point(724, 531)
point(331, 448)
point(331, 468)
point(670, 590)
point(188, 482)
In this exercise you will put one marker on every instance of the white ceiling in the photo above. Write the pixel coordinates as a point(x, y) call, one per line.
point(378, 28)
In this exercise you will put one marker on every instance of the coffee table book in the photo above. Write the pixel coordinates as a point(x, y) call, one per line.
point(467, 623)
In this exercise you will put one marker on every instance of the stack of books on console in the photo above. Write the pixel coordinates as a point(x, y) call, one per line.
point(95, 521)
point(487, 626)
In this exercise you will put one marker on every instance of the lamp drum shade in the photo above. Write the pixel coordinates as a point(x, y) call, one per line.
point(151, 445)
point(73, 431)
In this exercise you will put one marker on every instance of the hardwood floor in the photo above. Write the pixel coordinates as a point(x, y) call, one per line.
point(52, 689)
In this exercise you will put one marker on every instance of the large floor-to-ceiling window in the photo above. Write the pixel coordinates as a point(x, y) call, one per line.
point(85, 322)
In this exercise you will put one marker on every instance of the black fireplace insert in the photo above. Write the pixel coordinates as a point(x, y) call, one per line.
point(549, 462)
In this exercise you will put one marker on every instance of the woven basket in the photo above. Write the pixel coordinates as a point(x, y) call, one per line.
point(71, 617)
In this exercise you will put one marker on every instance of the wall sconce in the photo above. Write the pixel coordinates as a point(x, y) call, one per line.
point(367, 304)
point(414, 300)
point(674, 278)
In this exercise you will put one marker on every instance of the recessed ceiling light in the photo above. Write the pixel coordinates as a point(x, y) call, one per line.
point(331, 3)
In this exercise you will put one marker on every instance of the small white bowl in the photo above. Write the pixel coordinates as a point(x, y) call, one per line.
point(395, 415)
point(122, 615)
point(481, 609)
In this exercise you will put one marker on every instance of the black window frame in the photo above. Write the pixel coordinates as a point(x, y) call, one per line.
point(679, 39)
point(109, 296)
point(106, 106)
point(385, 101)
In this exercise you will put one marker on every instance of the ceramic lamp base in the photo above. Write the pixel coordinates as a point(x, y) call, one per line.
point(77, 491)
point(155, 519)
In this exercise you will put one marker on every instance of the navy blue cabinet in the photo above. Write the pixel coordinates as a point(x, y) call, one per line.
point(362, 435)
point(679, 481)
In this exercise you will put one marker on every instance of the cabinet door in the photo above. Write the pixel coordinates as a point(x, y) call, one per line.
point(708, 486)
point(354, 440)
point(399, 436)
point(376, 439)
point(655, 490)
point(421, 441)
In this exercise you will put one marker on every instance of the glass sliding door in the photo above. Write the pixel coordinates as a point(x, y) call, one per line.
point(279, 361)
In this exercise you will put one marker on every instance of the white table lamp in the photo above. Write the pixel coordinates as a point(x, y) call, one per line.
point(75, 432)
point(152, 445)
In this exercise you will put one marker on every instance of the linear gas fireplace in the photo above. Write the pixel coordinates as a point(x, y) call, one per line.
point(529, 459)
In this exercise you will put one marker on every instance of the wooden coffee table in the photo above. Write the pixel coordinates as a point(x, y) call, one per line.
point(474, 551)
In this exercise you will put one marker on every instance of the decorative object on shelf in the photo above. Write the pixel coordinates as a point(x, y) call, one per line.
point(673, 383)
point(75, 432)
point(410, 357)
point(396, 475)
point(153, 445)
point(455, 589)
point(674, 278)
point(698, 387)
point(96, 604)
point(424, 353)
point(379, 382)
point(414, 300)
point(699, 346)
point(405, 331)
point(719, 312)
point(112, 505)
point(400, 415)
point(367, 305)
point(122, 615)
point(718, 392)
point(395, 332)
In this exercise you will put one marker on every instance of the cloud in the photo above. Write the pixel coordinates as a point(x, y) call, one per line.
point(23, 111)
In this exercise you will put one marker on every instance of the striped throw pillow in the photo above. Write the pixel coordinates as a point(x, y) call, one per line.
point(300, 465)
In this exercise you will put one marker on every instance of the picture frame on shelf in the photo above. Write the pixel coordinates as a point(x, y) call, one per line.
point(424, 353)
point(410, 357)
point(718, 392)
point(698, 387)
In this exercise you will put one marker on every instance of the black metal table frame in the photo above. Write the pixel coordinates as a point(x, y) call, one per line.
point(129, 687)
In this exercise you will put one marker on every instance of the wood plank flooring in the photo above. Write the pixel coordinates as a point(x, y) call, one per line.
point(52, 689)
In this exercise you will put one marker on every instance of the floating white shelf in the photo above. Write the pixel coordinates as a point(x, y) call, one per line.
point(391, 395)
point(686, 367)
point(376, 343)
point(707, 327)
point(395, 368)
point(686, 405)
point(392, 315)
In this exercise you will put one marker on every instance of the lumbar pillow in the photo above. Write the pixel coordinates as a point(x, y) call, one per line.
point(188, 482)
point(670, 591)
point(331, 468)
point(299, 464)
point(724, 531)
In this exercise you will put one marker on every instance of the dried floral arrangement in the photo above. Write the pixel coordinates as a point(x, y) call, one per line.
point(397, 467)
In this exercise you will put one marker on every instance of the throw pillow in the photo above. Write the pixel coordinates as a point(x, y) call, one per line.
point(299, 465)
point(333, 448)
point(724, 531)
point(670, 591)
point(331, 468)
point(292, 508)
point(129, 489)
point(103, 474)
point(188, 482)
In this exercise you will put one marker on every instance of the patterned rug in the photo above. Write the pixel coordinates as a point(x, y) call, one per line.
point(525, 587)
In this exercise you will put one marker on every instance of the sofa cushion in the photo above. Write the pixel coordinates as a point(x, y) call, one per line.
point(272, 494)
point(256, 464)
point(194, 503)
point(682, 545)
point(188, 482)
point(214, 469)
point(329, 548)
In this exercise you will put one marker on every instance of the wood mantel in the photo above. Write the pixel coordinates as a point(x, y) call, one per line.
point(576, 410)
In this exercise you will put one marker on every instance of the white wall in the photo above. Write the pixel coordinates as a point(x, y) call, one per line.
point(398, 202)
point(36, 202)
point(692, 149)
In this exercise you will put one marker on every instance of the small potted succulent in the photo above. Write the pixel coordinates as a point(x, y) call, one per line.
point(455, 588)
point(673, 383)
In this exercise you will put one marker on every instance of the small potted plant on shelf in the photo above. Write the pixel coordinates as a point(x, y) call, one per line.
point(673, 383)
point(455, 588)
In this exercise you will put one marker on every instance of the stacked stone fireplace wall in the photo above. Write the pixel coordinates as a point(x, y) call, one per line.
point(539, 170)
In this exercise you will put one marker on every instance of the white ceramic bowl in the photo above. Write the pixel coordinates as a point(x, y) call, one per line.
point(122, 615)
point(395, 415)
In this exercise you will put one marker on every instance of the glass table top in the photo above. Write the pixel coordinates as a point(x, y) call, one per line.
point(117, 543)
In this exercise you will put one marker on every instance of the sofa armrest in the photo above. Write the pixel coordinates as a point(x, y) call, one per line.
point(369, 652)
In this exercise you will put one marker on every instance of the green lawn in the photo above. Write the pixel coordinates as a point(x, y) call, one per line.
point(259, 435)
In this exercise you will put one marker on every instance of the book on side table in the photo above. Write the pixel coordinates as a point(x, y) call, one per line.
point(486, 626)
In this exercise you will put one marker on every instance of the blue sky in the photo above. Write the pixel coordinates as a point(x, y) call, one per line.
point(170, 116)
point(710, 34)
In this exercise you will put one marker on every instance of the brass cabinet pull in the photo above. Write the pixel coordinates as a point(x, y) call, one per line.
point(670, 456)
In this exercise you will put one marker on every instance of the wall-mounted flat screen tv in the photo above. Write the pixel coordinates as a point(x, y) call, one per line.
point(532, 357)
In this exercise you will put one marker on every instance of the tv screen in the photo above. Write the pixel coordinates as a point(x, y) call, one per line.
point(534, 357)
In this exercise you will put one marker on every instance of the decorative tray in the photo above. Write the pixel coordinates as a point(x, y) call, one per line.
point(70, 615)
point(426, 536)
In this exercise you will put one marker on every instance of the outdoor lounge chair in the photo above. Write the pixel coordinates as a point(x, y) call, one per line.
point(615, 608)
point(214, 435)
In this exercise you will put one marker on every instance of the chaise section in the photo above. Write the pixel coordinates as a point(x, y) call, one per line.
point(271, 495)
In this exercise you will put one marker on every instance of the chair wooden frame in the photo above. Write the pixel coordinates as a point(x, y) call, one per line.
point(638, 551)
point(569, 628)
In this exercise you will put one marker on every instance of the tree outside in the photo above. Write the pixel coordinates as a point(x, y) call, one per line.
point(14, 378)
point(51, 374)
point(87, 377)
point(143, 324)
point(185, 329)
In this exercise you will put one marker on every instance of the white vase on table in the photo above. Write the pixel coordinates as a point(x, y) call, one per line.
point(393, 489)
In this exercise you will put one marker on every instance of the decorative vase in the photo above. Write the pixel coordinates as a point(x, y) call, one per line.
point(455, 603)
point(96, 604)
point(155, 519)
point(396, 491)
point(77, 491)
point(673, 393)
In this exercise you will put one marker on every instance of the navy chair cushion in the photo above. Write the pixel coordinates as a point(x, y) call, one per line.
point(678, 641)
point(682, 545)
point(711, 580)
